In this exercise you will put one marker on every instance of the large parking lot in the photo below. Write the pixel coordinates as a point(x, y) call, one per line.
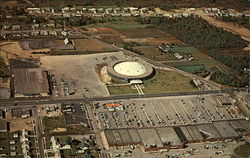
point(164, 111)
point(76, 74)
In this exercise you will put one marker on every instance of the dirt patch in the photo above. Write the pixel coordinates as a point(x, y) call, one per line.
point(169, 40)
point(19, 124)
point(13, 50)
point(40, 44)
point(143, 33)
point(87, 45)
point(231, 27)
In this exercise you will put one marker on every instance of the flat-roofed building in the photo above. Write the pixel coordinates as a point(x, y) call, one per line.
point(169, 137)
point(150, 138)
point(4, 93)
point(30, 82)
point(3, 126)
point(225, 129)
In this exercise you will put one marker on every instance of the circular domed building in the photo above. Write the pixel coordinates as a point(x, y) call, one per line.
point(129, 70)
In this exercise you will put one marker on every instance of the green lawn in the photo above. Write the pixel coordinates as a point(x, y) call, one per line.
point(162, 82)
point(168, 81)
point(202, 58)
point(115, 90)
point(191, 69)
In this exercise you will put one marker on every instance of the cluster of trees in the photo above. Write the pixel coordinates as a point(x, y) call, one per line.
point(237, 62)
point(198, 32)
point(130, 46)
point(241, 20)
point(81, 21)
point(231, 79)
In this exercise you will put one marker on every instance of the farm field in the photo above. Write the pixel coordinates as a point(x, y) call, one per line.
point(121, 25)
point(154, 53)
point(164, 40)
point(202, 58)
point(144, 36)
point(86, 45)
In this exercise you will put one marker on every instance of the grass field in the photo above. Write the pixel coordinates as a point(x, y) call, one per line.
point(202, 58)
point(155, 54)
point(163, 81)
point(191, 69)
point(115, 90)
point(52, 124)
point(168, 81)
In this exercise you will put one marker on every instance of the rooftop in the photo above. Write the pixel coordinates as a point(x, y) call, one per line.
point(30, 81)
point(130, 68)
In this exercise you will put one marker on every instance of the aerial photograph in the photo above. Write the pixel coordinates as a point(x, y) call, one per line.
point(124, 78)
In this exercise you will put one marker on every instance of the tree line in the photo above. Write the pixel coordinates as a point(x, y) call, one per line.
point(195, 31)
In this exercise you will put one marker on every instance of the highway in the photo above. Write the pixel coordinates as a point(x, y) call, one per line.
point(39, 101)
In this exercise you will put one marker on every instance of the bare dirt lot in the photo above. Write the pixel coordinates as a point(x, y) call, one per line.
point(19, 124)
point(87, 45)
point(143, 33)
point(14, 50)
point(38, 44)
point(167, 40)
point(231, 27)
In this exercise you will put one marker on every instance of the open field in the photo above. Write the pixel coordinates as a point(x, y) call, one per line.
point(19, 124)
point(121, 25)
point(58, 124)
point(154, 53)
point(202, 58)
point(144, 36)
point(14, 50)
point(143, 33)
point(40, 44)
point(168, 81)
point(191, 69)
point(164, 40)
point(116, 90)
point(87, 45)
point(163, 82)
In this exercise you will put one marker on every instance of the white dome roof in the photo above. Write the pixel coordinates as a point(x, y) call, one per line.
point(130, 68)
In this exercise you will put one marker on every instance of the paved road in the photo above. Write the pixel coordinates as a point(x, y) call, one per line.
point(38, 101)
point(39, 133)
